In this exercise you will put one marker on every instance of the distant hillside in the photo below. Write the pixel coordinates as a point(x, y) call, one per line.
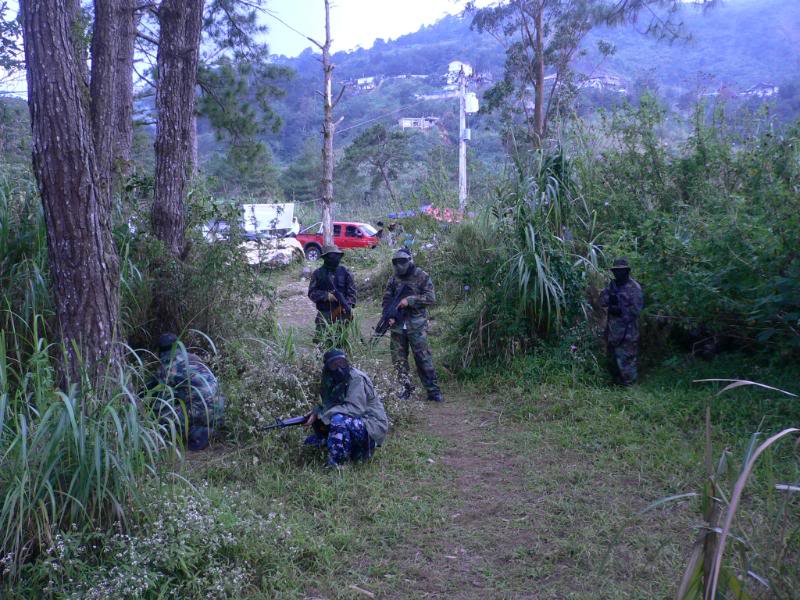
point(737, 45)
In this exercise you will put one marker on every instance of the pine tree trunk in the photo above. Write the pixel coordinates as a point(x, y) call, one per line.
point(177, 58)
point(327, 134)
point(123, 122)
point(83, 263)
point(178, 53)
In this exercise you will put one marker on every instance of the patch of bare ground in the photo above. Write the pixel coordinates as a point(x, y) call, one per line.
point(525, 518)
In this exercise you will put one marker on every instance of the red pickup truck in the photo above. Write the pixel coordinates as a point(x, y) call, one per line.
point(346, 234)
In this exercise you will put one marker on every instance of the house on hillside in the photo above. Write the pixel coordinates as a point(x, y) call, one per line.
point(421, 123)
point(362, 84)
point(608, 83)
point(761, 90)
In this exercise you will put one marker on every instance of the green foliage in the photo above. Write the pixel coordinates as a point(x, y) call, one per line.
point(381, 154)
point(712, 228)
point(522, 266)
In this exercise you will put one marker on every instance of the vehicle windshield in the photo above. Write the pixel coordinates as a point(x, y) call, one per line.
point(310, 227)
point(368, 229)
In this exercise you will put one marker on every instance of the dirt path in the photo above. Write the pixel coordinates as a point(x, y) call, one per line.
point(523, 512)
point(483, 550)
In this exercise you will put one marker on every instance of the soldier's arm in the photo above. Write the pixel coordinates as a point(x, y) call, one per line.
point(391, 290)
point(315, 292)
point(351, 294)
point(426, 295)
point(637, 303)
point(604, 298)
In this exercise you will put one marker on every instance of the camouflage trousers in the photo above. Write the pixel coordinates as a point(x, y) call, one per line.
point(203, 421)
point(415, 339)
point(347, 439)
point(623, 362)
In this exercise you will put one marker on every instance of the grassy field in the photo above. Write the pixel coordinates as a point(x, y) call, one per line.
point(531, 481)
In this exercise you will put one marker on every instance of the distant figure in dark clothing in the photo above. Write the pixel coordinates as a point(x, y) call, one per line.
point(624, 301)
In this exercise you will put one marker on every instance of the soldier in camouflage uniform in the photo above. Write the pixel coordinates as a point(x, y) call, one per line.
point(320, 290)
point(624, 300)
point(412, 330)
point(196, 403)
point(353, 419)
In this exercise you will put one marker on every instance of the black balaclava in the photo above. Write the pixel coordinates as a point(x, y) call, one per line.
point(401, 266)
point(332, 260)
point(621, 276)
point(339, 370)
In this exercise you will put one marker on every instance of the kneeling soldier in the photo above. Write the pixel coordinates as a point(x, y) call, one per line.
point(353, 420)
point(196, 402)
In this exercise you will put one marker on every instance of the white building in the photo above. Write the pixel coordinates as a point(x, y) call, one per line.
point(761, 90)
point(422, 123)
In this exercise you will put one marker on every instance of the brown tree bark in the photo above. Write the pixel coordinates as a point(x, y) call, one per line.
point(123, 102)
point(83, 263)
point(177, 58)
point(178, 52)
point(105, 40)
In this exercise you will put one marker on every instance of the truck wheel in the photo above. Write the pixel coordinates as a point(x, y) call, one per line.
point(313, 252)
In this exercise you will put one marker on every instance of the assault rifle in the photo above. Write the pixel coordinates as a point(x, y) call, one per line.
point(392, 312)
point(344, 307)
point(318, 426)
point(284, 423)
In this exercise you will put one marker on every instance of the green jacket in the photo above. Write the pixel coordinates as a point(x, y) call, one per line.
point(358, 400)
point(422, 296)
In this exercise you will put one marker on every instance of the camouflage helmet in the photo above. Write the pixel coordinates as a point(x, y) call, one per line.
point(166, 341)
point(402, 254)
point(333, 354)
point(332, 249)
point(620, 264)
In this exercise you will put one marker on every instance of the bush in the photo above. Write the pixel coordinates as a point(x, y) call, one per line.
point(517, 274)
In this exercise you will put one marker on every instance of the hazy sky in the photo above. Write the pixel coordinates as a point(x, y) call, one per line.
point(353, 22)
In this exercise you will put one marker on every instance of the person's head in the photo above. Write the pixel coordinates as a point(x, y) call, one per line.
point(380, 224)
point(331, 256)
point(402, 262)
point(166, 342)
point(621, 270)
point(335, 362)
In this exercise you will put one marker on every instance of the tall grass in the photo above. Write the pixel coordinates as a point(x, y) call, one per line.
point(523, 265)
point(67, 460)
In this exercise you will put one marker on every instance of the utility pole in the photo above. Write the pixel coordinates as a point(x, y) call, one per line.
point(327, 133)
point(463, 136)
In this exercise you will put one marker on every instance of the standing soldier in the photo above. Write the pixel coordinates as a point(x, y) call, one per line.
point(624, 300)
point(411, 330)
point(333, 291)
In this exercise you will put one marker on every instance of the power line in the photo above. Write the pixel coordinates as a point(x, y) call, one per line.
point(402, 108)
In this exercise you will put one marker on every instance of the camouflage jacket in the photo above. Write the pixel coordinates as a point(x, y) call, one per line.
point(355, 398)
point(422, 296)
point(624, 327)
point(189, 378)
point(320, 285)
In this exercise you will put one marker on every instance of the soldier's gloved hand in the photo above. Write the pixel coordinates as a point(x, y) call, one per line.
point(331, 297)
point(615, 311)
